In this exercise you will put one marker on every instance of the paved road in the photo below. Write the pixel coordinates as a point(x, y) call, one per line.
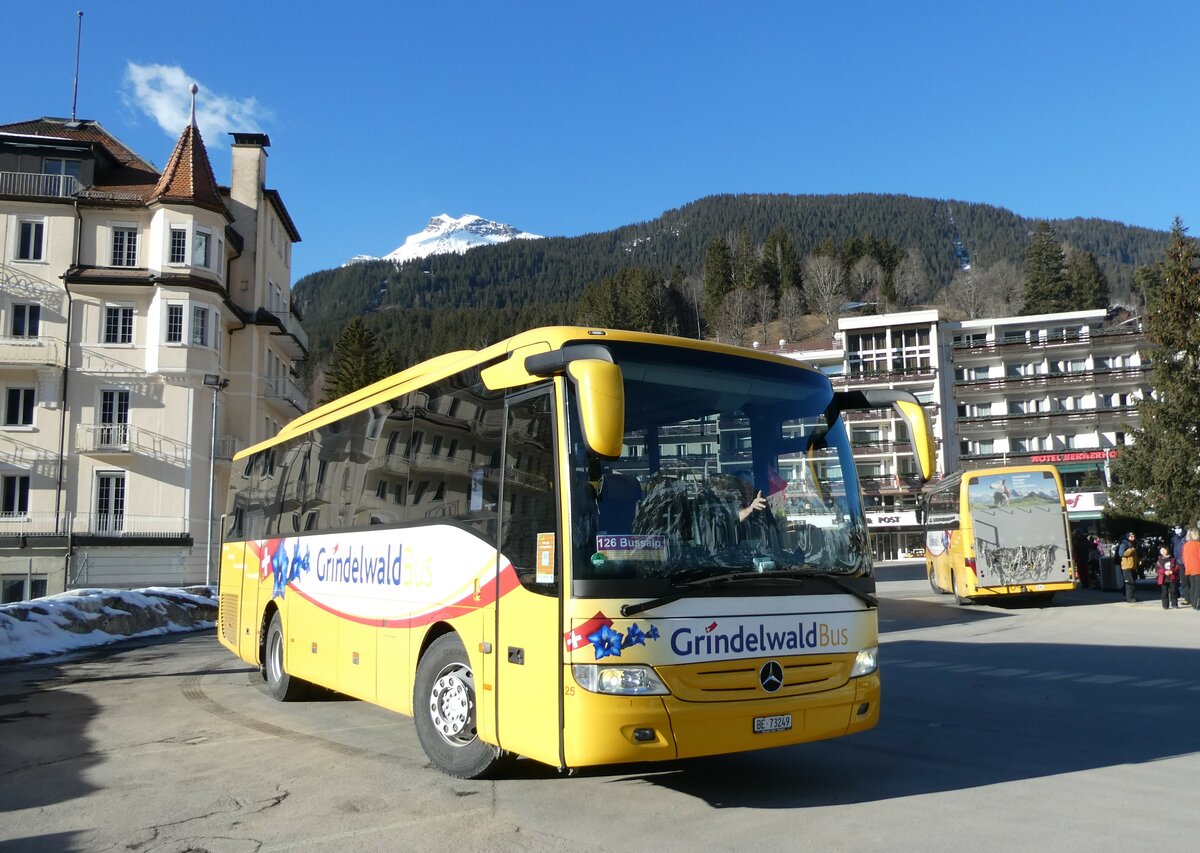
point(1062, 728)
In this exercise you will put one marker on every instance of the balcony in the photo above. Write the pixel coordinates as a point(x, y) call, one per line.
point(124, 439)
point(120, 526)
point(102, 526)
point(923, 374)
point(1062, 339)
point(34, 352)
point(294, 339)
point(227, 447)
point(1015, 420)
point(1056, 378)
point(284, 392)
point(15, 524)
point(35, 185)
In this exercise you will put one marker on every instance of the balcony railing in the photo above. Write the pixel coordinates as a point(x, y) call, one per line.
point(110, 439)
point(227, 447)
point(123, 526)
point(1061, 377)
point(285, 390)
point(37, 352)
point(105, 524)
point(1059, 339)
point(39, 186)
point(34, 524)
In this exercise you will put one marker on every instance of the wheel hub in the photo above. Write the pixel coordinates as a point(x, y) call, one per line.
point(452, 706)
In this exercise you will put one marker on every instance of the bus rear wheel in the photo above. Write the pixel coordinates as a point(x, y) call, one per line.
point(960, 600)
point(445, 708)
point(283, 687)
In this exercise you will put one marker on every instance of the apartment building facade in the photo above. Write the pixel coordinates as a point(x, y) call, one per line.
point(1054, 388)
point(146, 334)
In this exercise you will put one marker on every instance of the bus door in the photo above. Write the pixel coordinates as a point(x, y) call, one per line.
point(528, 652)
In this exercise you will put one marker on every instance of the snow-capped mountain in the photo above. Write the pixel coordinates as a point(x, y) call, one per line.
point(444, 235)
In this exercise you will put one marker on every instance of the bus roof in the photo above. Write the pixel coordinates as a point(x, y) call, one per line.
point(543, 339)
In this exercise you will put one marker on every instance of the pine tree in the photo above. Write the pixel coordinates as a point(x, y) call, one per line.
point(1088, 284)
point(1046, 287)
point(358, 360)
point(746, 272)
point(718, 274)
point(1159, 473)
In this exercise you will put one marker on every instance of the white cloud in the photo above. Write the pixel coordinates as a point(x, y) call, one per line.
point(163, 92)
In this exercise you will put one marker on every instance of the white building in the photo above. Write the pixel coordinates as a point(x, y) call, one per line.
point(1059, 388)
point(122, 291)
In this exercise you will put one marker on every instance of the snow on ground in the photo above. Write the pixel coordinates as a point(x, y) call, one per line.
point(86, 618)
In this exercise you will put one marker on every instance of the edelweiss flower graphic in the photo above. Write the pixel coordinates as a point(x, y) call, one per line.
point(606, 642)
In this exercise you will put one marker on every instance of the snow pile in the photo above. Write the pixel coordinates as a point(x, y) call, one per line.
point(86, 618)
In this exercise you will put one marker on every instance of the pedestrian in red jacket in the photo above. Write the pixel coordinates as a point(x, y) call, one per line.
point(1168, 577)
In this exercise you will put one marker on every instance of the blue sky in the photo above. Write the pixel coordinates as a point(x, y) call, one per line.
point(562, 118)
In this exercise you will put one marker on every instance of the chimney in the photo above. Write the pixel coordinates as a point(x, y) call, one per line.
point(249, 166)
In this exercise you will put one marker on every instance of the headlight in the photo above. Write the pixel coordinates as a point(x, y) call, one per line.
point(866, 662)
point(634, 680)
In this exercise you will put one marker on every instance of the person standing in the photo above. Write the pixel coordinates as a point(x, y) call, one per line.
point(1168, 578)
point(1177, 540)
point(1127, 555)
point(1191, 566)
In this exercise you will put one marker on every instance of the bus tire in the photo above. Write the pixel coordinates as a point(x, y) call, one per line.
point(444, 708)
point(283, 687)
point(933, 583)
point(960, 600)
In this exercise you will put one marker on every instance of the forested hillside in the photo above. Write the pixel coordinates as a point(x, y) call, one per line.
point(451, 301)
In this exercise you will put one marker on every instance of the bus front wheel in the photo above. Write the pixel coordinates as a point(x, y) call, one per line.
point(445, 708)
point(933, 583)
point(283, 687)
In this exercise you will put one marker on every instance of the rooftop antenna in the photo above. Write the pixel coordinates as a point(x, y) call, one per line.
point(194, 90)
point(78, 39)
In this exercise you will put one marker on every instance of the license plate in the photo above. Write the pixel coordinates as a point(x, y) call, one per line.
point(778, 723)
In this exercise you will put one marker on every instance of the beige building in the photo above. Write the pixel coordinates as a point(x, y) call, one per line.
point(138, 308)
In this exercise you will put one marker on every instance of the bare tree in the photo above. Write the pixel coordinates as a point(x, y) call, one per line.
point(791, 311)
point(909, 281)
point(992, 292)
point(966, 295)
point(1003, 283)
point(764, 307)
point(826, 284)
point(735, 315)
point(865, 276)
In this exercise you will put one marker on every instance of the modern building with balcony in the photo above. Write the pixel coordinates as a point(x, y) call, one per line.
point(146, 334)
point(1053, 388)
point(1059, 388)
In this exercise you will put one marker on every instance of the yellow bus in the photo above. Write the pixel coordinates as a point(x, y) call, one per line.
point(574, 546)
point(993, 532)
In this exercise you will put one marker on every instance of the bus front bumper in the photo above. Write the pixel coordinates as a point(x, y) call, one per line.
point(619, 729)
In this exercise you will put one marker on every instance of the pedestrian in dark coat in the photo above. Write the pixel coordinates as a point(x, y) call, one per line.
point(1127, 555)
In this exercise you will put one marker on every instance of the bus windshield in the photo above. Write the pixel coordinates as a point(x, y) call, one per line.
point(728, 465)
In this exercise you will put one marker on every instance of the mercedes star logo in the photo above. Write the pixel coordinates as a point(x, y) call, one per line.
point(771, 676)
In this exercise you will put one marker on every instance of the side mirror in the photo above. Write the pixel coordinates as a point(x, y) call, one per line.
point(601, 395)
point(917, 419)
point(909, 409)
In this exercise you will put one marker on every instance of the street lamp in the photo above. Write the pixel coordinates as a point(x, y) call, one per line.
point(216, 383)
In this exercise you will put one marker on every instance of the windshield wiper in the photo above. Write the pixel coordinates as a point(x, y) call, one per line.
point(793, 575)
point(684, 588)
